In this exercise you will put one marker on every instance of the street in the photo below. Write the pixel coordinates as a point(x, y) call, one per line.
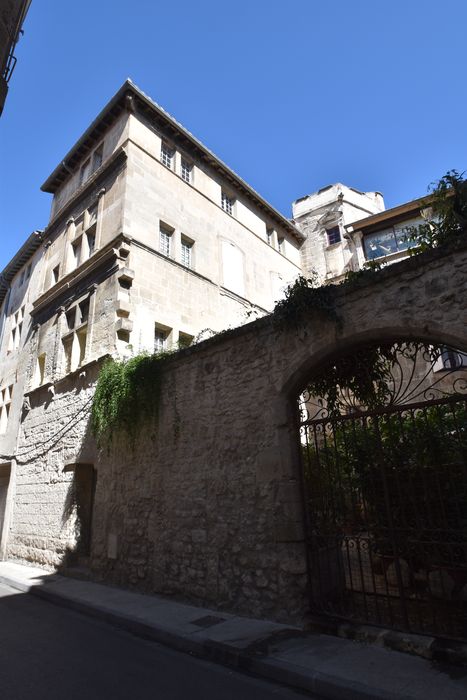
point(51, 653)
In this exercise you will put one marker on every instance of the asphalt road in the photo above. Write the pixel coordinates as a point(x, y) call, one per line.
point(51, 653)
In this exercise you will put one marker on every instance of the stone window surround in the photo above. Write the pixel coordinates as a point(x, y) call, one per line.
point(75, 339)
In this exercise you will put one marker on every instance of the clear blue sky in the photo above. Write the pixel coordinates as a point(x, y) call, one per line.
point(292, 94)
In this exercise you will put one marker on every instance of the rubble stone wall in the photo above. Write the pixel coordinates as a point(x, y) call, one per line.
point(207, 508)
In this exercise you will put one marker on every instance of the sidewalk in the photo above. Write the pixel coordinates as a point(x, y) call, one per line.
point(328, 666)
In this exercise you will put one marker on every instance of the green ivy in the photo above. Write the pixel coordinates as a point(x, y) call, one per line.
point(446, 220)
point(127, 394)
point(302, 297)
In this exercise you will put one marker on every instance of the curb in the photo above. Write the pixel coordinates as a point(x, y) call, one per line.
point(253, 662)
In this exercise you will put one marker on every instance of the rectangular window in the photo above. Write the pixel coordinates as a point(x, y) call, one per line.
point(40, 369)
point(227, 203)
point(16, 329)
point(186, 168)
point(186, 252)
point(55, 274)
point(85, 172)
point(184, 340)
point(77, 250)
point(22, 276)
point(67, 351)
point(165, 240)
point(387, 241)
point(270, 236)
point(160, 340)
point(6, 395)
point(334, 235)
point(71, 318)
point(91, 238)
point(82, 335)
point(167, 155)
point(281, 245)
point(83, 311)
point(97, 158)
point(28, 271)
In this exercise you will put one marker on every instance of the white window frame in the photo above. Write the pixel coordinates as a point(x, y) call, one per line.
point(167, 155)
point(186, 169)
point(165, 241)
point(228, 203)
point(186, 252)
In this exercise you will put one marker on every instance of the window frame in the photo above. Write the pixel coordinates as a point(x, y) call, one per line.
point(186, 246)
point(186, 166)
point(167, 155)
point(333, 235)
point(227, 203)
point(165, 234)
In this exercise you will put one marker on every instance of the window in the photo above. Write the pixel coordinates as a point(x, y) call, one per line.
point(334, 235)
point(28, 271)
point(91, 239)
point(227, 203)
point(186, 252)
point(450, 359)
point(160, 339)
point(55, 274)
point(390, 240)
point(233, 274)
point(75, 338)
point(165, 241)
point(22, 276)
point(6, 395)
point(167, 155)
point(97, 157)
point(77, 250)
point(186, 168)
point(270, 236)
point(16, 329)
point(281, 245)
point(184, 340)
point(85, 172)
point(68, 351)
point(40, 371)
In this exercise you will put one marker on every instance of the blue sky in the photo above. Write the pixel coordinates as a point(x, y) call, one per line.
point(292, 95)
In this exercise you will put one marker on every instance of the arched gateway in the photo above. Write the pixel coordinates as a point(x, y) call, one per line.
point(383, 442)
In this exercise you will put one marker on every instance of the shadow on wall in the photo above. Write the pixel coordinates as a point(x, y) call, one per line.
point(79, 505)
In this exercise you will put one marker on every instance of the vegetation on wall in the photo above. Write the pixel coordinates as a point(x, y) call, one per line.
point(445, 213)
point(127, 395)
point(366, 373)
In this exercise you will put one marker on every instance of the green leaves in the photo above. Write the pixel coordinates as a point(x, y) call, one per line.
point(126, 396)
point(446, 218)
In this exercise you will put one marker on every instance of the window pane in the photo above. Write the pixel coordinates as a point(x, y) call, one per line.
point(334, 235)
point(186, 254)
point(186, 170)
point(164, 242)
point(380, 244)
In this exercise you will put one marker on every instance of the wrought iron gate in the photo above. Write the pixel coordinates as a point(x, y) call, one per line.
point(386, 495)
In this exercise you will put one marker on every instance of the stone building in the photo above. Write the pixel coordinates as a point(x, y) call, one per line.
point(329, 251)
point(152, 241)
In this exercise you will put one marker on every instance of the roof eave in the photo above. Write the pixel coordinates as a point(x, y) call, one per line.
point(52, 183)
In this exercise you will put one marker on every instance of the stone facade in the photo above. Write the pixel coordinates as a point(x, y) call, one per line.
point(323, 216)
point(208, 507)
point(152, 240)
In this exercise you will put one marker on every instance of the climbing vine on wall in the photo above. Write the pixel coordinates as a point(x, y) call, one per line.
point(127, 394)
